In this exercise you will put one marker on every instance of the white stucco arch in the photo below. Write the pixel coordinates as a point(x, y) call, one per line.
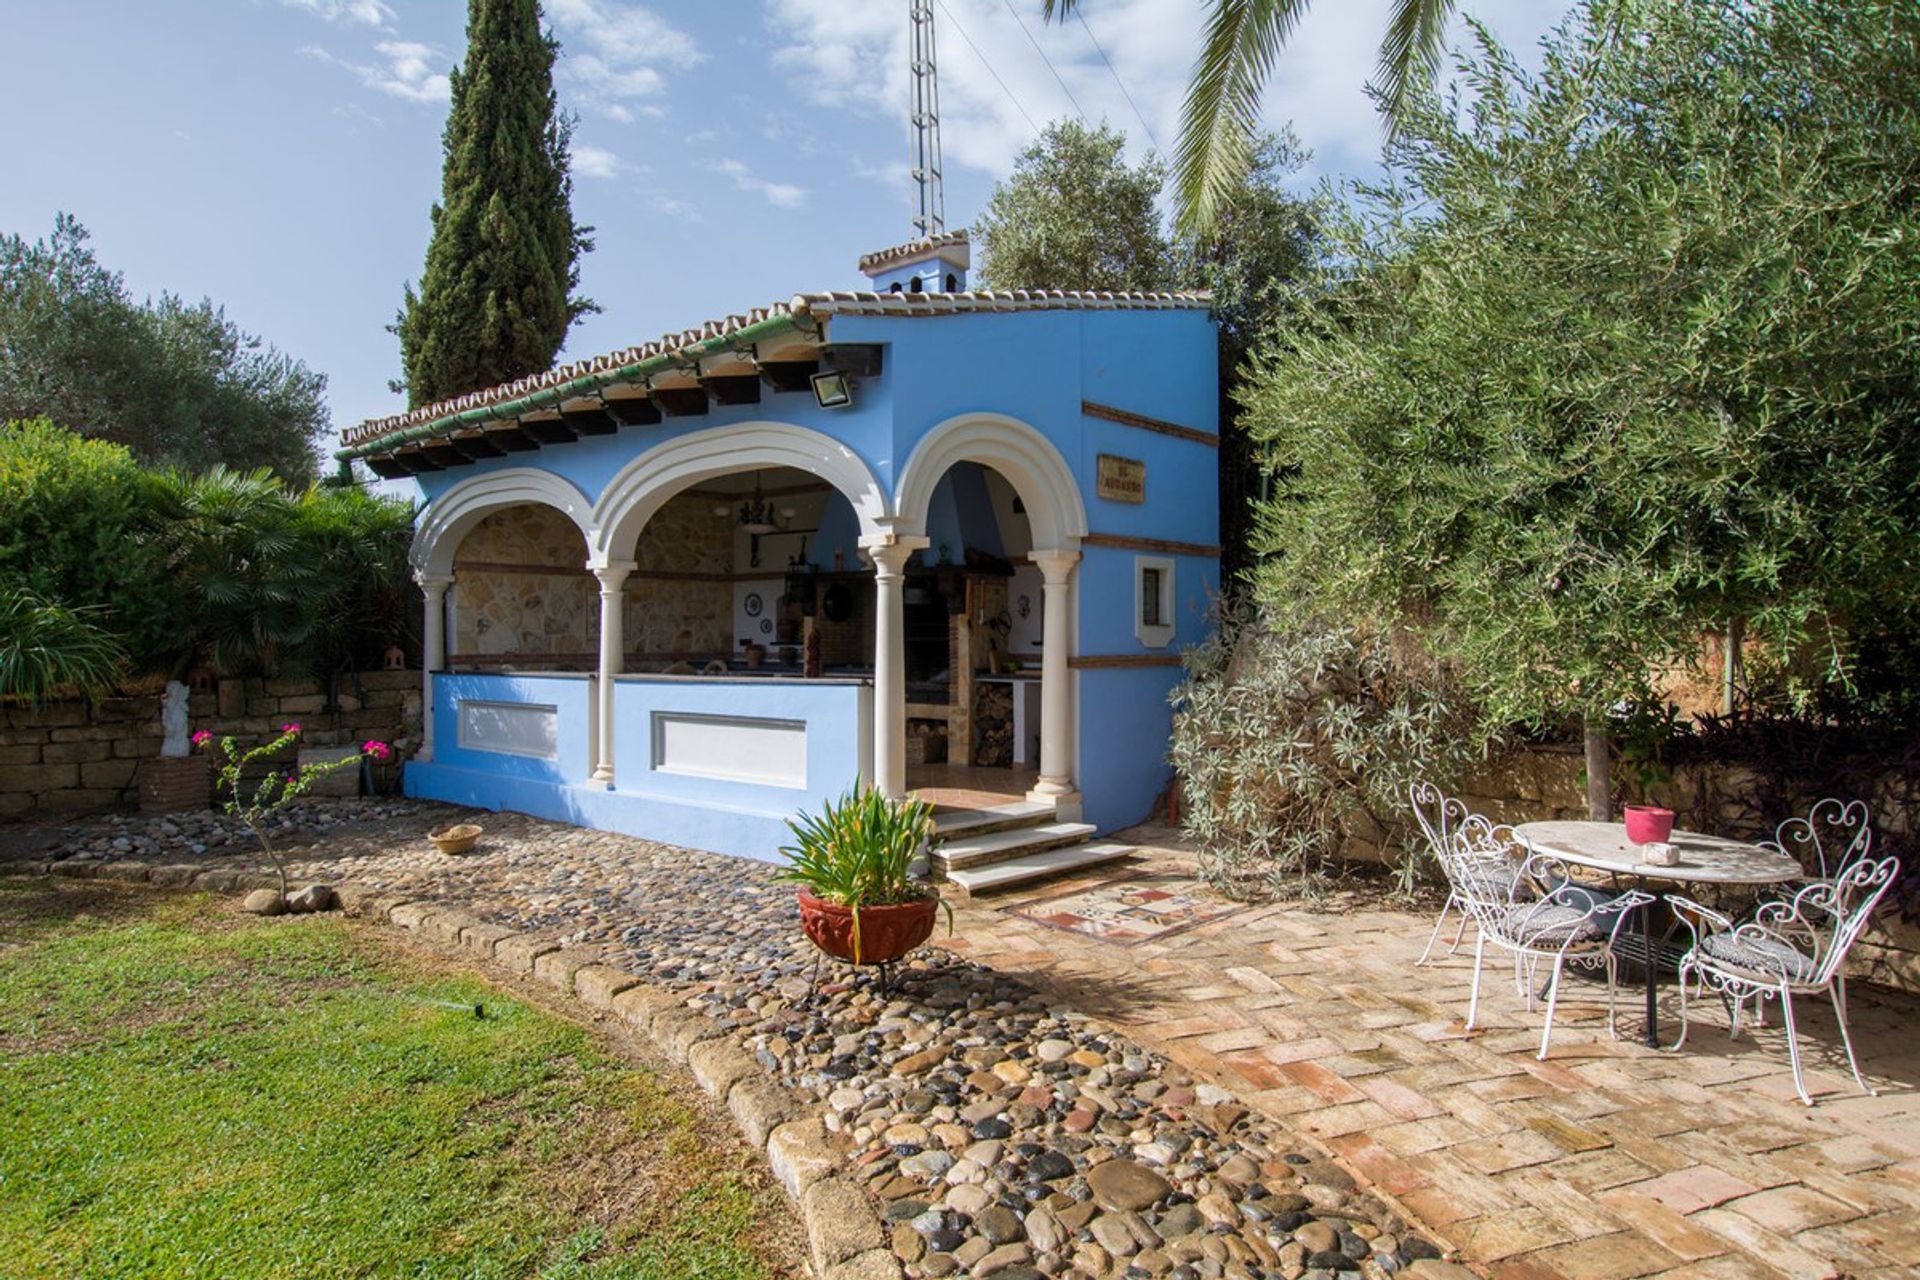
point(1028, 460)
point(643, 486)
point(448, 518)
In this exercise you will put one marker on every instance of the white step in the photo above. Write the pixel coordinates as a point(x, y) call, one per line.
point(998, 846)
point(973, 822)
point(1036, 866)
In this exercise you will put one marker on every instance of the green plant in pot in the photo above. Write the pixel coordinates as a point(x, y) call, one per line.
point(854, 864)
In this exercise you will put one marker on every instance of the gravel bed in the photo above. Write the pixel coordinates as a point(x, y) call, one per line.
point(1001, 1135)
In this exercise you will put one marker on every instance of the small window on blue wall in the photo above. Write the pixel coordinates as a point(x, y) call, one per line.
point(1153, 601)
point(913, 285)
point(953, 282)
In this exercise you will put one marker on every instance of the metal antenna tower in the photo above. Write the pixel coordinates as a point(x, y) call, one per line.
point(930, 219)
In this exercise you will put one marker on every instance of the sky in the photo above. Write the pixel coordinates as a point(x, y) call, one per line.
point(281, 156)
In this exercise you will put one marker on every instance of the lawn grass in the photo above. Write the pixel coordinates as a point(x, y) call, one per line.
point(189, 1092)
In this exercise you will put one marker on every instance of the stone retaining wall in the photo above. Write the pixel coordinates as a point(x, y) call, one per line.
point(71, 757)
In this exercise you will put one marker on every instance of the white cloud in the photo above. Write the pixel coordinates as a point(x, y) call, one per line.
point(615, 52)
point(852, 55)
point(367, 13)
point(409, 72)
point(673, 208)
point(596, 162)
point(782, 194)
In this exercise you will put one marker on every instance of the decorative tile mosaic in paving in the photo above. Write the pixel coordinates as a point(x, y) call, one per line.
point(1131, 910)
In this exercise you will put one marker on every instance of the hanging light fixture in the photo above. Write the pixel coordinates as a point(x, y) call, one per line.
point(757, 515)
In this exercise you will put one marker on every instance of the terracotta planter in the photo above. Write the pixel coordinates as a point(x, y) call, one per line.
point(1648, 824)
point(886, 933)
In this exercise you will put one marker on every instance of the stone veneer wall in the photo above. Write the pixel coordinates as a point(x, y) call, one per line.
point(557, 612)
point(682, 617)
point(498, 612)
point(70, 757)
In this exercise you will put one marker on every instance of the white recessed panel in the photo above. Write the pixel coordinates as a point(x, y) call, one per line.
point(513, 728)
point(770, 753)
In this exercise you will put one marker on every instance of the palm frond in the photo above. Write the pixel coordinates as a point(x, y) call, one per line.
point(1410, 52)
point(1222, 112)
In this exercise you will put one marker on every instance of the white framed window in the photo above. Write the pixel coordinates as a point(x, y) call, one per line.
point(1153, 601)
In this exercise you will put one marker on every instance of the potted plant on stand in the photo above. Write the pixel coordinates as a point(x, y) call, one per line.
point(859, 900)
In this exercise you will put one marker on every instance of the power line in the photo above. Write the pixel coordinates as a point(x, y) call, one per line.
point(1044, 58)
point(988, 65)
point(1116, 77)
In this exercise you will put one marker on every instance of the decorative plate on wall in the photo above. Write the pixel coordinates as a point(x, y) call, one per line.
point(766, 626)
point(753, 604)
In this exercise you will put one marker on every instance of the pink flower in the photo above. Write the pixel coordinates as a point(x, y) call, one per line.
point(378, 750)
point(290, 727)
point(203, 737)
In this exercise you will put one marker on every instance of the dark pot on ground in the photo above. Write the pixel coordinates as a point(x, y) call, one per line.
point(886, 933)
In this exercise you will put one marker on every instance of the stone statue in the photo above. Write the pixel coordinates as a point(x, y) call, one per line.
point(173, 720)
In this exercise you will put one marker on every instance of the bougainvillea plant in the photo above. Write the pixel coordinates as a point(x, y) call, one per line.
point(278, 786)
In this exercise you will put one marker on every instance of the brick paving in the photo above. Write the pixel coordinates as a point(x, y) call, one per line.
point(1609, 1160)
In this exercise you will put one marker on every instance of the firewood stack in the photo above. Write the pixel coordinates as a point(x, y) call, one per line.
point(993, 725)
point(926, 742)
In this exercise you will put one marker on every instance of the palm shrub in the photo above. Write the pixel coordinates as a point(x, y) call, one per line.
point(1293, 739)
point(858, 851)
point(46, 647)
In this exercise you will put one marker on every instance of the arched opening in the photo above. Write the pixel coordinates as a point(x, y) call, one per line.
point(1001, 514)
point(522, 598)
point(728, 573)
point(714, 547)
point(973, 632)
point(502, 562)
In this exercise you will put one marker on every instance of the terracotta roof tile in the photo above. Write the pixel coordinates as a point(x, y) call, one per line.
point(872, 262)
point(799, 309)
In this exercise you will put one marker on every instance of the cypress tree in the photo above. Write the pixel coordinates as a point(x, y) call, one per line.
point(497, 296)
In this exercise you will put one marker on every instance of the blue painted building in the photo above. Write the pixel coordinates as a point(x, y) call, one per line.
point(948, 540)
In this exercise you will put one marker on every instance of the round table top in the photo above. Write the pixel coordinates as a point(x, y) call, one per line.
point(1703, 858)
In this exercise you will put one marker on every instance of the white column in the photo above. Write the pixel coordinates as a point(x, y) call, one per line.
point(890, 662)
point(433, 651)
point(1056, 693)
point(613, 652)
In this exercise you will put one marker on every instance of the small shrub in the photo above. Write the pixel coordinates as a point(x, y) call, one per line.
point(254, 803)
point(47, 648)
point(1292, 739)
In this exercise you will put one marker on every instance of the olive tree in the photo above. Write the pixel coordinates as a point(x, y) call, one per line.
point(1619, 354)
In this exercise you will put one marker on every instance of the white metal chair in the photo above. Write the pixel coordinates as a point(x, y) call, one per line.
point(1481, 860)
point(1794, 946)
point(1538, 917)
point(1843, 826)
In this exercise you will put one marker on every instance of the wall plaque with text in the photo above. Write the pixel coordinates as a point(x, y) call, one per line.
point(1122, 479)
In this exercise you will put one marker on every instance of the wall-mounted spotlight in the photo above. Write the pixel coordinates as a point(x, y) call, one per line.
point(832, 389)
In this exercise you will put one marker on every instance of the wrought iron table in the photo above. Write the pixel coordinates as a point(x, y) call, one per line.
point(1703, 859)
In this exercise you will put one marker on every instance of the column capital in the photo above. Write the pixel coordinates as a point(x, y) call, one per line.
point(890, 552)
point(612, 573)
point(433, 581)
point(1055, 563)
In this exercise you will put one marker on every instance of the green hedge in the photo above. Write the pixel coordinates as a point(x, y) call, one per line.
point(228, 569)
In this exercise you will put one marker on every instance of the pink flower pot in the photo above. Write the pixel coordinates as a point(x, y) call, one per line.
point(1648, 824)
